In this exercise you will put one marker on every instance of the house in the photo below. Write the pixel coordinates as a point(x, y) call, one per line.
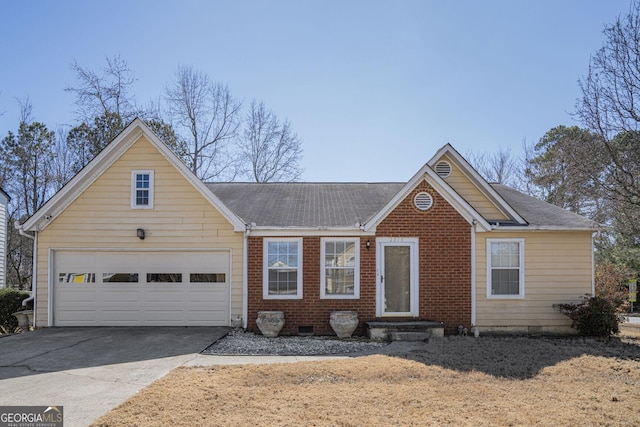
point(136, 239)
point(4, 202)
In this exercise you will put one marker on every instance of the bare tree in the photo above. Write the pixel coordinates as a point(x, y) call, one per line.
point(207, 118)
point(26, 160)
point(609, 105)
point(62, 164)
point(270, 147)
point(501, 167)
point(104, 93)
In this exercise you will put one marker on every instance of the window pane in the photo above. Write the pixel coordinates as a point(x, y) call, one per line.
point(339, 281)
point(283, 282)
point(207, 277)
point(120, 277)
point(505, 281)
point(164, 277)
point(282, 254)
point(142, 180)
point(505, 254)
point(76, 278)
point(142, 197)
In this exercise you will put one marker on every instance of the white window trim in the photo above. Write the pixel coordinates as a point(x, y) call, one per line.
point(265, 268)
point(133, 188)
point(356, 271)
point(520, 295)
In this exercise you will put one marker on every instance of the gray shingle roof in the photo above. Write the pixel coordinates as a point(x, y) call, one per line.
point(312, 205)
point(305, 204)
point(542, 214)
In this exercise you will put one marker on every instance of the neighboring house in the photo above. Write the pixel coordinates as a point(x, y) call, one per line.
point(4, 202)
point(136, 239)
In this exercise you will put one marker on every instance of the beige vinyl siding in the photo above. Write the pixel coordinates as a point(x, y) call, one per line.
point(558, 268)
point(465, 188)
point(102, 218)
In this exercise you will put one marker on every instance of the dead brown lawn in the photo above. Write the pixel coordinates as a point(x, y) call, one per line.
point(457, 381)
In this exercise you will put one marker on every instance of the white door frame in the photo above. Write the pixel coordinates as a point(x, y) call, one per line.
point(412, 243)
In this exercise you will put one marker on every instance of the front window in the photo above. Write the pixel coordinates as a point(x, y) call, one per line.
point(282, 278)
point(340, 268)
point(142, 189)
point(505, 268)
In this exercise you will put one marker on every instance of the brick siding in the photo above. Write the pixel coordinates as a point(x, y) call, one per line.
point(444, 277)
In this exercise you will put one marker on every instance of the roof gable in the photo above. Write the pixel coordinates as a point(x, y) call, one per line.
point(105, 159)
point(427, 174)
point(487, 192)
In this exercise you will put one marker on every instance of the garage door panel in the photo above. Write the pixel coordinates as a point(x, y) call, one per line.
point(123, 298)
point(199, 296)
point(111, 288)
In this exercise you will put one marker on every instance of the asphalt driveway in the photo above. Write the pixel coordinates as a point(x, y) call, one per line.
point(88, 371)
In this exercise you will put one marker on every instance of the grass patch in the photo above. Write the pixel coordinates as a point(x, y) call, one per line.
point(456, 381)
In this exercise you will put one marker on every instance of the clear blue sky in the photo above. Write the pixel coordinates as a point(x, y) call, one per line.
point(373, 88)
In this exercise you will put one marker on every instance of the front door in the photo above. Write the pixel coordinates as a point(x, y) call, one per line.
point(397, 277)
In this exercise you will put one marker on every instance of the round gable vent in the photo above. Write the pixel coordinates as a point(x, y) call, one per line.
point(423, 201)
point(443, 169)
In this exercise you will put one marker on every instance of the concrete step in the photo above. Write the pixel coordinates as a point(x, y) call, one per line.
point(419, 330)
point(409, 336)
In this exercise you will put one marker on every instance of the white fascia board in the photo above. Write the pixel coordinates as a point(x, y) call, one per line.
point(263, 231)
point(508, 228)
point(107, 157)
point(428, 174)
point(477, 180)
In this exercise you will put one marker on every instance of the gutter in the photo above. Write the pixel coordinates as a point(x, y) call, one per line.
point(33, 237)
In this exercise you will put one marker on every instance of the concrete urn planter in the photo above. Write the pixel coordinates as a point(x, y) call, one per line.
point(25, 319)
point(344, 323)
point(270, 323)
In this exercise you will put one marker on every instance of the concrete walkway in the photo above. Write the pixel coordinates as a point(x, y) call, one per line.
point(632, 320)
point(89, 371)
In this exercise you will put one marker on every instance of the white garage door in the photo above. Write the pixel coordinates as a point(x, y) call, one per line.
point(105, 288)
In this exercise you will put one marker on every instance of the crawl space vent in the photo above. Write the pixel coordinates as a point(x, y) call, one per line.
point(423, 201)
point(443, 169)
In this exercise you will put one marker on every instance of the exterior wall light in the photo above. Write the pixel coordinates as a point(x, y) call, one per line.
point(140, 233)
point(368, 244)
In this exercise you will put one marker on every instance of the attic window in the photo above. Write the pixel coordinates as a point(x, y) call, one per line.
point(142, 189)
point(443, 169)
point(423, 201)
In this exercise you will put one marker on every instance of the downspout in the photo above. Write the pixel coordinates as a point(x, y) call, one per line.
point(245, 276)
point(18, 226)
point(594, 235)
point(473, 276)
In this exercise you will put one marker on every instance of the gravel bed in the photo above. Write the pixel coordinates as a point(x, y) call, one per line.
point(247, 343)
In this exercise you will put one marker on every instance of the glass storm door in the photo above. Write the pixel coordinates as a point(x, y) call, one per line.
point(397, 277)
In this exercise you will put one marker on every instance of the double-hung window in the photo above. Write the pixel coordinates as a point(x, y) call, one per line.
point(282, 276)
point(142, 189)
point(505, 268)
point(340, 268)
